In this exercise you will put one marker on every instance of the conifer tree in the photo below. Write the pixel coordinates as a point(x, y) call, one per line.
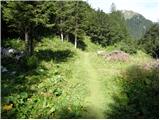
point(23, 16)
point(150, 41)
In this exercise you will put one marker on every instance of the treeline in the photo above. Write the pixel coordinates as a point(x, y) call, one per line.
point(71, 20)
point(150, 42)
point(68, 19)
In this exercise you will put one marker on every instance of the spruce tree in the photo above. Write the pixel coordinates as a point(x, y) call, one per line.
point(23, 16)
point(150, 42)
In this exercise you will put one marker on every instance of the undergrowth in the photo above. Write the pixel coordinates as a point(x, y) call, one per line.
point(41, 87)
point(53, 83)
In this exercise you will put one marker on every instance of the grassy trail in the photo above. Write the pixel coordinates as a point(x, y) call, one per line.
point(97, 77)
point(94, 101)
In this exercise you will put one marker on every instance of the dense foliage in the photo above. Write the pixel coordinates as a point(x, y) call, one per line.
point(70, 20)
point(23, 16)
point(139, 96)
point(108, 29)
point(150, 41)
point(63, 18)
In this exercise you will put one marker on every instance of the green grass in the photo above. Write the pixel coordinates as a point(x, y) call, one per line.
point(71, 83)
point(91, 46)
point(14, 43)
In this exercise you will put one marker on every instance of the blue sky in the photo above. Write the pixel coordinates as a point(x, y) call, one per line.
point(148, 8)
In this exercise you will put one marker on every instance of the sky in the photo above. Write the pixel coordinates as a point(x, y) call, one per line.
point(148, 8)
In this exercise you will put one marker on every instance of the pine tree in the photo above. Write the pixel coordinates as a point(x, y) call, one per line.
point(150, 41)
point(99, 27)
point(77, 19)
point(117, 27)
point(113, 7)
point(24, 15)
point(61, 10)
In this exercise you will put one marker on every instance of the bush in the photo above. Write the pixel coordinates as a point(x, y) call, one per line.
point(142, 89)
point(127, 46)
point(14, 43)
point(29, 62)
point(128, 49)
point(139, 96)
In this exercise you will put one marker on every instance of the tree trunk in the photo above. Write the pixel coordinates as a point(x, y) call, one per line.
point(62, 36)
point(26, 41)
point(75, 41)
point(67, 37)
point(30, 48)
point(61, 29)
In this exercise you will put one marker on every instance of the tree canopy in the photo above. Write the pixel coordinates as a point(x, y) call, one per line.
point(150, 41)
point(70, 20)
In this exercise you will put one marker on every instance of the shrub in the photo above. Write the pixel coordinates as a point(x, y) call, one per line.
point(14, 43)
point(128, 49)
point(29, 62)
point(127, 46)
point(141, 88)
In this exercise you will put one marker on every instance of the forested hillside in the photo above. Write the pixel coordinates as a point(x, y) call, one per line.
point(64, 59)
point(71, 21)
point(137, 25)
point(150, 41)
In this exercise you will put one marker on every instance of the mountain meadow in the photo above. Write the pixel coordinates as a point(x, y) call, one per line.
point(64, 59)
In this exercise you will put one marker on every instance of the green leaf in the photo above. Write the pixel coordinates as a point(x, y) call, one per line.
point(24, 95)
point(52, 110)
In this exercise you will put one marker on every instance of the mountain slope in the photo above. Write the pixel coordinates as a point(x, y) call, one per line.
point(136, 23)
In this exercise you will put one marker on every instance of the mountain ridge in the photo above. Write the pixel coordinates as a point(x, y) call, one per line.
point(137, 24)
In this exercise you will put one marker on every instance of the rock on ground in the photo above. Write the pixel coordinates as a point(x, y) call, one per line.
point(152, 64)
point(114, 56)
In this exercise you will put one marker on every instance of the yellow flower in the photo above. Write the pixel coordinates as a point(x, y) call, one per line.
point(7, 107)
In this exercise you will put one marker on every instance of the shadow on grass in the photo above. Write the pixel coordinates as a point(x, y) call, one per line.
point(15, 87)
point(17, 81)
point(64, 113)
point(140, 95)
point(72, 112)
point(80, 43)
point(56, 56)
point(14, 80)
